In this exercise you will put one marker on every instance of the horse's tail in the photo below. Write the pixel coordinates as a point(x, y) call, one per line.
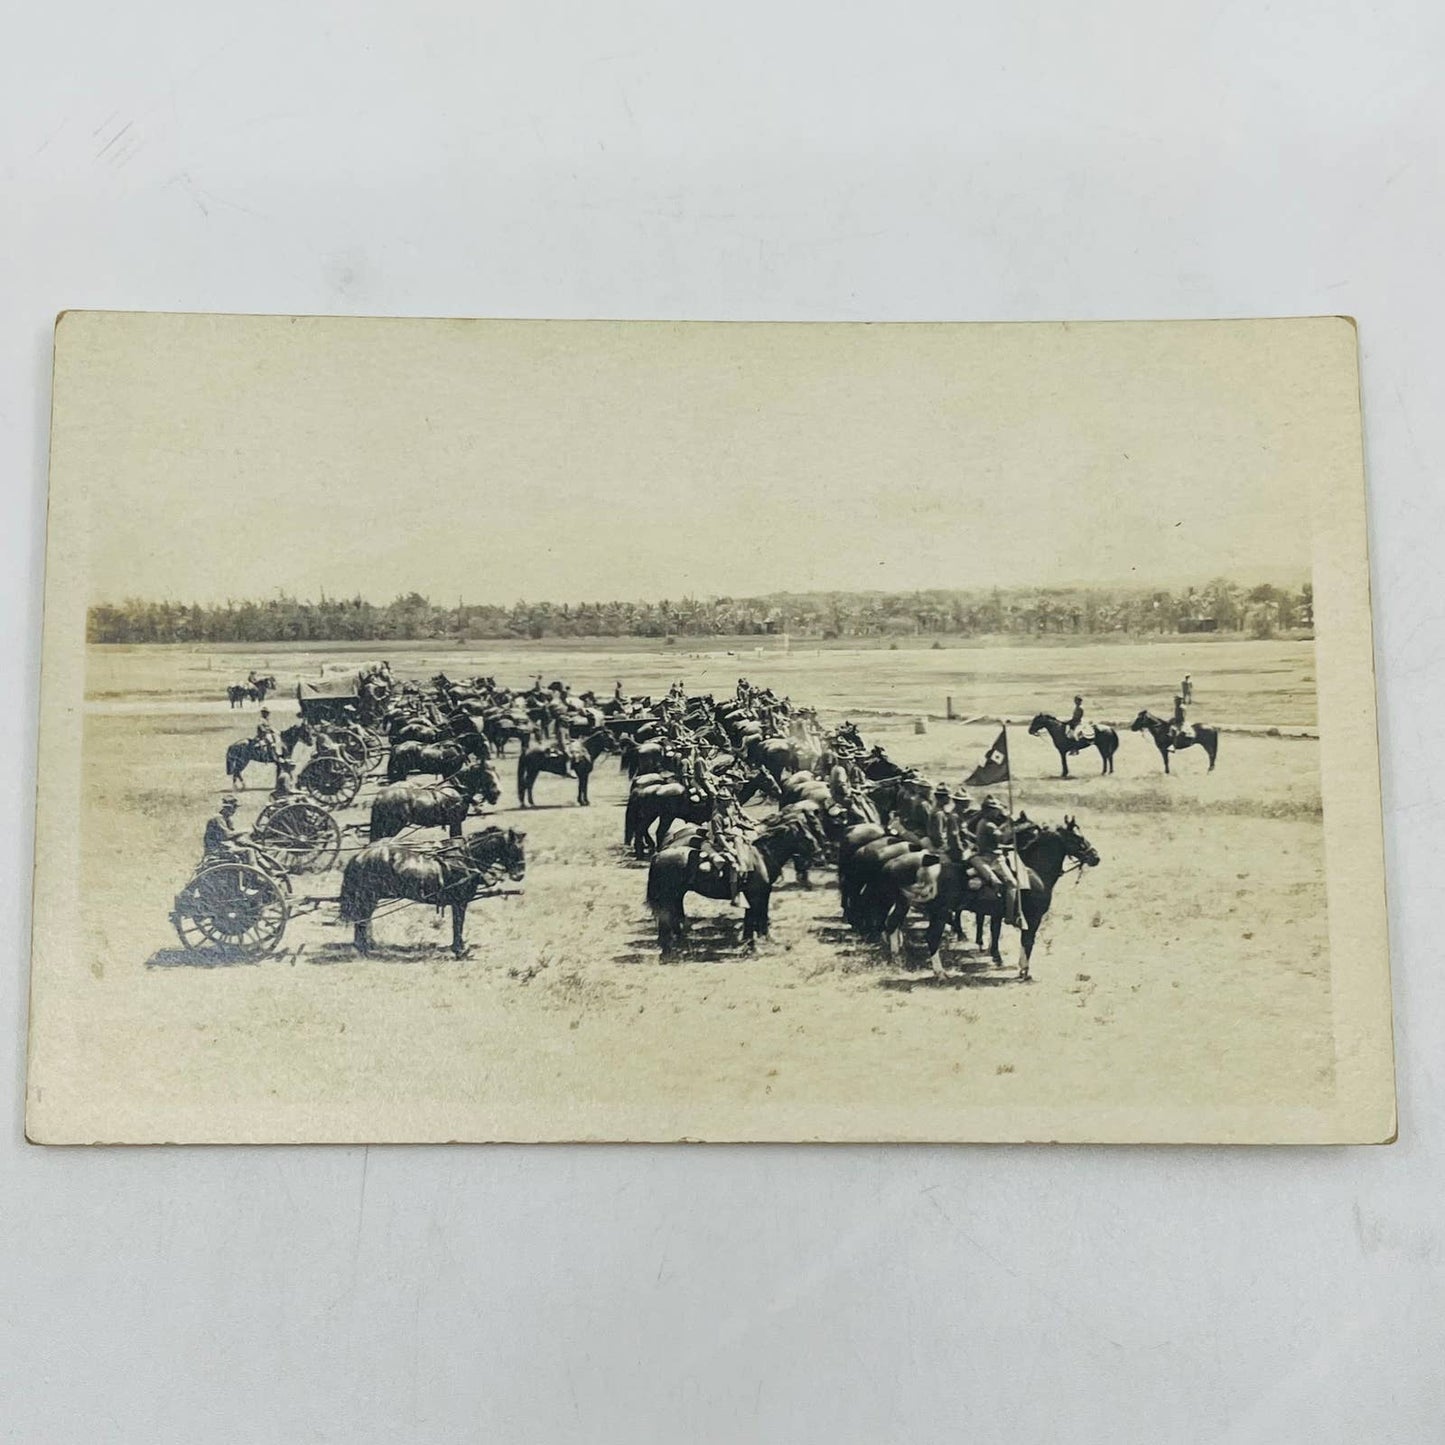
point(1209, 737)
point(629, 819)
point(237, 756)
point(358, 892)
point(522, 776)
point(389, 815)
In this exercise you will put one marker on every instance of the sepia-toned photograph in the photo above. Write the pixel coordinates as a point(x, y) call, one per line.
point(471, 730)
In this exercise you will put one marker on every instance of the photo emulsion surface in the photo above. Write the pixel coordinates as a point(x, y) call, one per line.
point(468, 730)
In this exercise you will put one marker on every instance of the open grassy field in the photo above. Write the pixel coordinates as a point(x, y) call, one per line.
point(1190, 968)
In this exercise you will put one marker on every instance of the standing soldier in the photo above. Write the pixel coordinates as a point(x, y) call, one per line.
point(1186, 689)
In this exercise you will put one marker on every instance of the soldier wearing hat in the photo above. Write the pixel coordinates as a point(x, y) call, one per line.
point(1076, 720)
point(993, 834)
point(945, 827)
point(223, 842)
point(266, 737)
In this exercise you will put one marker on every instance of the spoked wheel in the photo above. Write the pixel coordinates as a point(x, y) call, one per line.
point(353, 748)
point(304, 836)
point(231, 908)
point(376, 749)
point(331, 781)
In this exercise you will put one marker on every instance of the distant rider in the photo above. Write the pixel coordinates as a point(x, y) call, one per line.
point(1075, 724)
point(1179, 728)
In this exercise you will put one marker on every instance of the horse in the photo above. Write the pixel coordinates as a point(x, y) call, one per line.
point(665, 801)
point(778, 755)
point(448, 876)
point(677, 871)
point(1043, 856)
point(437, 805)
point(579, 756)
point(238, 694)
point(251, 750)
point(1105, 738)
point(502, 728)
point(442, 758)
point(1165, 737)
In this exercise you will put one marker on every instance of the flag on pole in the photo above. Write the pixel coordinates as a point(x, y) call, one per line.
point(994, 767)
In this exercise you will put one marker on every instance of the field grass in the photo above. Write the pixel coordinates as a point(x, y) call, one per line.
point(1190, 968)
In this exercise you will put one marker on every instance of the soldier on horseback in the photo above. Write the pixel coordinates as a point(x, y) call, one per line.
point(724, 820)
point(1074, 728)
point(1179, 729)
point(945, 826)
point(993, 834)
point(266, 738)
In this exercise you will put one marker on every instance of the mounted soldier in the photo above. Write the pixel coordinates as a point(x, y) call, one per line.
point(1074, 728)
point(266, 737)
point(1179, 729)
point(945, 826)
point(993, 834)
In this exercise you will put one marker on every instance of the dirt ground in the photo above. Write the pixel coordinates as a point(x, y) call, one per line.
point(1189, 969)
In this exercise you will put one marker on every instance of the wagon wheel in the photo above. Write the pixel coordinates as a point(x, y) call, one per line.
point(352, 748)
point(304, 836)
point(331, 781)
point(232, 908)
point(376, 748)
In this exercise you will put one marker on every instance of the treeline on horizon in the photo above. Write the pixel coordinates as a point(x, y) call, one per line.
point(1264, 610)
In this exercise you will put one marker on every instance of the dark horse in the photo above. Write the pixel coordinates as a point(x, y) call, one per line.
point(448, 876)
point(1167, 740)
point(442, 759)
point(1044, 856)
point(434, 805)
point(1104, 738)
point(664, 801)
point(252, 750)
point(676, 871)
point(577, 757)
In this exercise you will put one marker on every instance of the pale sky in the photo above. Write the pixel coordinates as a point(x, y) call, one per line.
point(231, 457)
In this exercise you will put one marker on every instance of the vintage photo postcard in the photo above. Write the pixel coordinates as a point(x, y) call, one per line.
point(531, 730)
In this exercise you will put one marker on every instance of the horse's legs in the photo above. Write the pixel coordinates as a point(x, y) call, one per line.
point(1064, 762)
point(995, 928)
point(361, 936)
point(459, 919)
point(935, 941)
point(978, 930)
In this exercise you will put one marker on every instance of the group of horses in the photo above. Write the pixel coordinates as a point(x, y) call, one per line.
point(873, 830)
point(1166, 737)
point(444, 739)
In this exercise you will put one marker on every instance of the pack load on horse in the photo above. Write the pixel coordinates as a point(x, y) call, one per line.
point(679, 869)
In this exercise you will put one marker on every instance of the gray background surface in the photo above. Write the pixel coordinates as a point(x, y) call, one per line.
point(914, 161)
